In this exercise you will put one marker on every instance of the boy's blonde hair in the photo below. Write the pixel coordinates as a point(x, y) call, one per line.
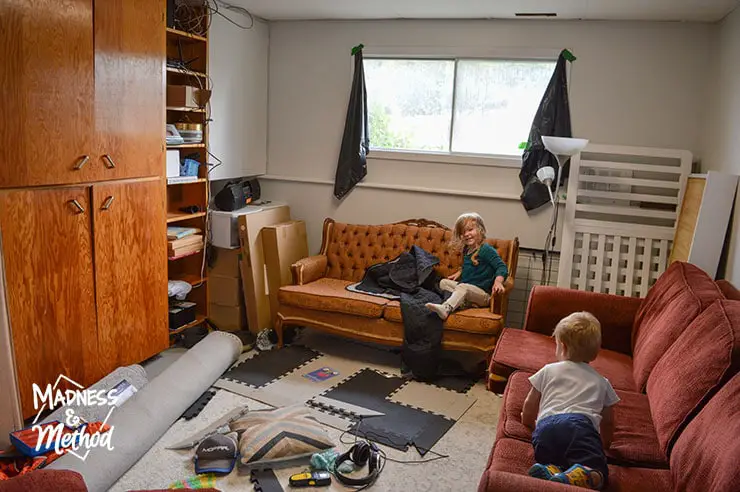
point(581, 334)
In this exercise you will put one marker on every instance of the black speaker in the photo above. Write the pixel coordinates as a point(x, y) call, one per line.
point(237, 194)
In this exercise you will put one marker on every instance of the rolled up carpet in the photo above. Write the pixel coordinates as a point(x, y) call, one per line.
point(147, 415)
point(135, 375)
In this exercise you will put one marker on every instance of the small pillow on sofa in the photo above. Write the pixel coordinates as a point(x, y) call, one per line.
point(693, 369)
point(680, 295)
point(271, 438)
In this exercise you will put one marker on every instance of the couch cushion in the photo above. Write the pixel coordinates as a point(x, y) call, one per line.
point(331, 295)
point(475, 320)
point(702, 359)
point(514, 456)
point(705, 456)
point(528, 351)
point(634, 443)
point(679, 295)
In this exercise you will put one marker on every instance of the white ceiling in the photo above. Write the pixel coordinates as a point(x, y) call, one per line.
point(658, 10)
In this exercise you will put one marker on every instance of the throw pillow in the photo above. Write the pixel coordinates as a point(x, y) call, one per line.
point(270, 438)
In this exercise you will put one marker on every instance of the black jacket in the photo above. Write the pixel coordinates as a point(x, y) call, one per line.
point(411, 277)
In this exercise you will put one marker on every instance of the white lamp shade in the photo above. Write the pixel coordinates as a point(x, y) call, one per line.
point(546, 175)
point(564, 145)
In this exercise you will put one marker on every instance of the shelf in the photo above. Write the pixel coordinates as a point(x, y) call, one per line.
point(185, 35)
point(187, 146)
point(185, 109)
point(179, 217)
point(199, 319)
point(186, 72)
point(199, 180)
point(192, 279)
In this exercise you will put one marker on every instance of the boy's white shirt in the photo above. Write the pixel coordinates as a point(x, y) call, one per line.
point(573, 387)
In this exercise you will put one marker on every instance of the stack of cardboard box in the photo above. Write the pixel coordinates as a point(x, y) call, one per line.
point(226, 298)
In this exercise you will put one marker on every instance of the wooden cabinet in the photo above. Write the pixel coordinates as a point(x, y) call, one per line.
point(46, 89)
point(82, 192)
point(47, 251)
point(130, 270)
point(82, 86)
point(129, 88)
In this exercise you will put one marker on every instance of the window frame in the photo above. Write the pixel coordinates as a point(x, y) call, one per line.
point(455, 54)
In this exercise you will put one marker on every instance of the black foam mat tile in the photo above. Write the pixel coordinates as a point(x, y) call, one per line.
point(401, 425)
point(198, 405)
point(265, 481)
point(266, 367)
point(454, 383)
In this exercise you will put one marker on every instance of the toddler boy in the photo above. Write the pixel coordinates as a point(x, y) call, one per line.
point(571, 405)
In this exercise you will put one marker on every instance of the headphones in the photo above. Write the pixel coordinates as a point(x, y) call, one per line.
point(361, 453)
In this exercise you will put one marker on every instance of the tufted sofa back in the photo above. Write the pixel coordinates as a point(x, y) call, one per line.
point(350, 249)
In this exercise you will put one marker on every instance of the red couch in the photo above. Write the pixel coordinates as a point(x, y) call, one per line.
point(673, 359)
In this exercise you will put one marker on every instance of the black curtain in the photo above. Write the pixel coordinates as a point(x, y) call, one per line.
point(352, 165)
point(552, 119)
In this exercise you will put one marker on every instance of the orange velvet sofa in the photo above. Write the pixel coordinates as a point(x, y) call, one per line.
point(319, 298)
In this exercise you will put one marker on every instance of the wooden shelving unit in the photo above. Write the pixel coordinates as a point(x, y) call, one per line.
point(193, 48)
point(173, 217)
point(199, 319)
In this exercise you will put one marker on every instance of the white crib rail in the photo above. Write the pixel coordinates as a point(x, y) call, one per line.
point(620, 217)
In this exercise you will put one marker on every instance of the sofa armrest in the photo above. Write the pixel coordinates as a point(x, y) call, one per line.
point(309, 269)
point(548, 305)
point(499, 302)
point(502, 481)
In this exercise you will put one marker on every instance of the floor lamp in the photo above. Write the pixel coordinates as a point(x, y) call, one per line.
point(563, 148)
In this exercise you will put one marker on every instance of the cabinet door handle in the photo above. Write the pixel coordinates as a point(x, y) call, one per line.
point(107, 203)
point(81, 163)
point(109, 161)
point(80, 208)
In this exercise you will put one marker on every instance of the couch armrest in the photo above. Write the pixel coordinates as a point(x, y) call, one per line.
point(309, 269)
point(548, 305)
point(500, 302)
point(502, 481)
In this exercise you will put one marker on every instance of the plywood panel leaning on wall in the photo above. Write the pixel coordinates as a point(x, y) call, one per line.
point(704, 219)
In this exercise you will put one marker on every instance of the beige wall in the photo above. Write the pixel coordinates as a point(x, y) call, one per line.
point(722, 129)
point(633, 83)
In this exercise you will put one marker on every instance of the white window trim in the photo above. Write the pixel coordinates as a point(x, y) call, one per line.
point(451, 53)
point(455, 158)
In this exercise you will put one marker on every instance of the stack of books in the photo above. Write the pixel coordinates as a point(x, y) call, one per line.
point(183, 241)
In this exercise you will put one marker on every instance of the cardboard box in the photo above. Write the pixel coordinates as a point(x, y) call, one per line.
point(183, 96)
point(283, 244)
point(226, 291)
point(254, 279)
point(225, 263)
point(227, 318)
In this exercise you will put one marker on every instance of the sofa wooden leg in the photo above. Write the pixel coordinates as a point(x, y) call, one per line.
point(279, 331)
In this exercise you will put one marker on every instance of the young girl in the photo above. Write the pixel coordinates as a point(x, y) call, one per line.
point(483, 271)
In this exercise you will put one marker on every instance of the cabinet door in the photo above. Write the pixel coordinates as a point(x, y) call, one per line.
point(47, 251)
point(46, 92)
point(129, 87)
point(130, 270)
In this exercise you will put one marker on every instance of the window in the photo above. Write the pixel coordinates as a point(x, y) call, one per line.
point(465, 106)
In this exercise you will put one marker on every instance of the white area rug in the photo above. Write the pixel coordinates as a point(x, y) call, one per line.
point(468, 443)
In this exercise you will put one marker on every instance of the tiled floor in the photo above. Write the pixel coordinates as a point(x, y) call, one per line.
point(528, 274)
